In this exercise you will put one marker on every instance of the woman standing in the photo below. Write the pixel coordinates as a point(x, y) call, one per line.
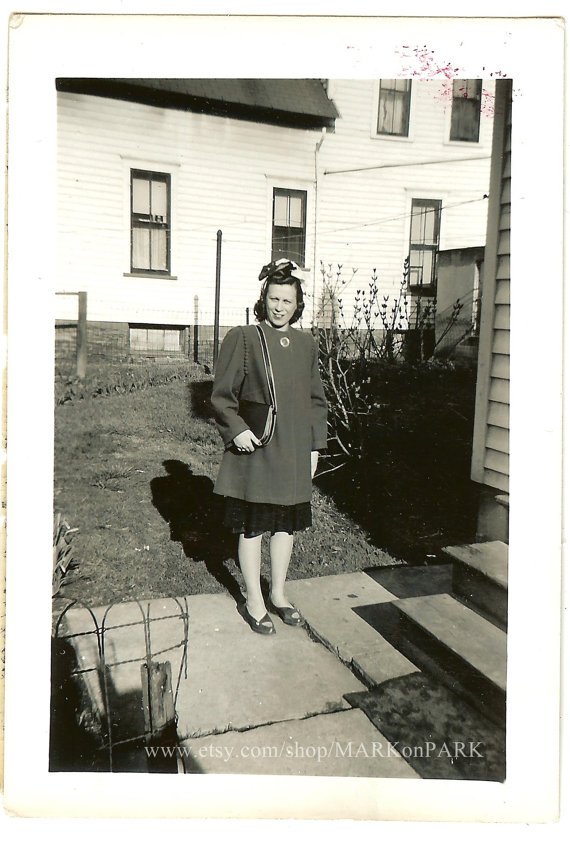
point(268, 488)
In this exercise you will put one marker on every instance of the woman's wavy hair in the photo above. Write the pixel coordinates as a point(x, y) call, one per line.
point(279, 272)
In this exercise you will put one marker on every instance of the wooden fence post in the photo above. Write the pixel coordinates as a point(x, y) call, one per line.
point(82, 335)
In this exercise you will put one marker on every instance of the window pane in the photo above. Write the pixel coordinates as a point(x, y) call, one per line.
point(138, 338)
point(141, 242)
point(159, 200)
point(416, 269)
point(465, 110)
point(394, 107)
point(158, 250)
point(424, 242)
point(399, 118)
point(141, 196)
point(281, 210)
point(417, 224)
point(172, 340)
point(293, 244)
point(465, 120)
point(155, 339)
point(459, 88)
point(425, 222)
point(289, 244)
point(429, 226)
point(289, 215)
point(421, 267)
point(428, 258)
point(391, 109)
point(295, 212)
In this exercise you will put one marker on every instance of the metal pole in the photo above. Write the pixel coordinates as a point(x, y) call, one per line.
point(82, 335)
point(195, 328)
point(217, 305)
point(247, 314)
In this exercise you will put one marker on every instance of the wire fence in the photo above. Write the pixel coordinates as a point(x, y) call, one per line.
point(82, 344)
point(127, 663)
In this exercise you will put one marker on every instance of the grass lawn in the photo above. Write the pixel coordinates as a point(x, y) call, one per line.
point(134, 473)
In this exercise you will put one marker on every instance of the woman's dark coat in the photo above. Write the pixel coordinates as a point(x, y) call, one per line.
point(280, 472)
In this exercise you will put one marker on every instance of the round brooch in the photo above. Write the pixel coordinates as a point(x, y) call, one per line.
point(284, 341)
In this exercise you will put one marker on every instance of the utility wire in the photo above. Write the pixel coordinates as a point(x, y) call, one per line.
point(409, 215)
point(407, 164)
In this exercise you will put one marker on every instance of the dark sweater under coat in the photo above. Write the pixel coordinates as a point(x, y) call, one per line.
point(280, 472)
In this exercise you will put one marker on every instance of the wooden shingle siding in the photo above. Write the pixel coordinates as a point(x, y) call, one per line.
point(490, 460)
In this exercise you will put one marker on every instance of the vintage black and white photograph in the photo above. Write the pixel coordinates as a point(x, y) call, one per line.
point(281, 357)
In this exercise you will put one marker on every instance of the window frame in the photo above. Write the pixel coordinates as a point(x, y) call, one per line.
point(289, 191)
point(430, 289)
point(394, 135)
point(150, 349)
point(458, 98)
point(141, 221)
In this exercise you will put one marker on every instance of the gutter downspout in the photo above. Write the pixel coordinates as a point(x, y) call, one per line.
point(317, 148)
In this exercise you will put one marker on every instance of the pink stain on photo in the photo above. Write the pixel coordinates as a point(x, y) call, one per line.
point(421, 62)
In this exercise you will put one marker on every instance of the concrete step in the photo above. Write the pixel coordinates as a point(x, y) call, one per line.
point(480, 577)
point(459, 647)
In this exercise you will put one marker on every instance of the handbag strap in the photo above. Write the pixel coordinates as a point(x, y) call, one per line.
point(268, 367)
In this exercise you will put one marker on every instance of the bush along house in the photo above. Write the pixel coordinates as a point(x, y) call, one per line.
point(166, 186)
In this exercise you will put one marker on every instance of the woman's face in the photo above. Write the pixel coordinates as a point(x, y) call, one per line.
point(280, 303)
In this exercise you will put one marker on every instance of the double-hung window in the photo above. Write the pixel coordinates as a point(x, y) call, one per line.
point(394, 107)
point(424, 244)
point(150, 222)
point(289, 228)
point(465, 110)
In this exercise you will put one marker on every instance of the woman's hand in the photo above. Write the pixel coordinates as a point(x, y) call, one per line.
point(314, 461)
point(246, 442)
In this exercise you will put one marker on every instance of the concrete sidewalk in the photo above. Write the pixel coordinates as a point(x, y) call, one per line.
point(247, 703)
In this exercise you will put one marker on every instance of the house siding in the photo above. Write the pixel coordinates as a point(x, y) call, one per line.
point(490, 464)
point(222, 174)
point(364, 219)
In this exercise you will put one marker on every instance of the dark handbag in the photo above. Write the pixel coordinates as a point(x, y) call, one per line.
point(261, 417)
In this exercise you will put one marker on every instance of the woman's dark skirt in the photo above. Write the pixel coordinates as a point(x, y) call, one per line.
point(252, 519)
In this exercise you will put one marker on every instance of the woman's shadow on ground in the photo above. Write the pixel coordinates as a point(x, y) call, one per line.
point(188, 504)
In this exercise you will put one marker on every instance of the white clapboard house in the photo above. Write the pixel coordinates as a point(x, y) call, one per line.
point(165, 185)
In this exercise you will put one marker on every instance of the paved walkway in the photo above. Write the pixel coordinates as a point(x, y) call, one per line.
point(246, 703)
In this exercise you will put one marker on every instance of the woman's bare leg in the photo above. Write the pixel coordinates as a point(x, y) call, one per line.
point(280, 548)
point(249, 554)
